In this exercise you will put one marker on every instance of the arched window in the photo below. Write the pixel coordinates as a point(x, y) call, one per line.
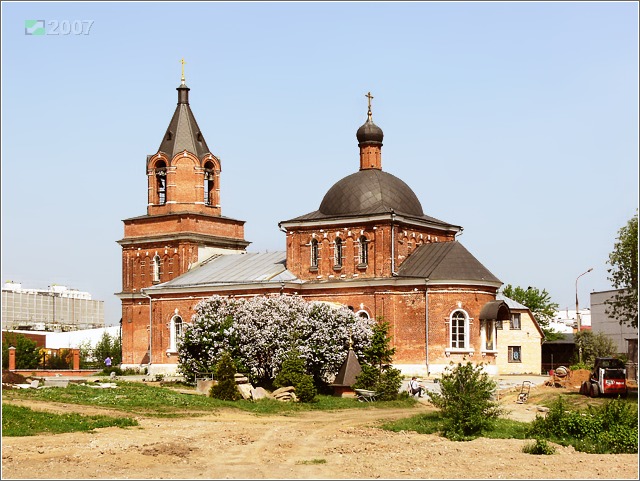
point(459, 330)
point(363, 314)
point(161, 182)
point(208, 183)
point(314, 253)
point(337, 253)
point(156, 268)
point(363, 251)
point(175, 333)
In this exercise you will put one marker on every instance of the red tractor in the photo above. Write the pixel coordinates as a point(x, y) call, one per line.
point(608, 378)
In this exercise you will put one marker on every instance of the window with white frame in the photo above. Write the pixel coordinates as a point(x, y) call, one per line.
point(515, 321)
point(175, 333)
point(363, 251)
point(314, 253)
point(459, 329)
point(156, 268)
point(515, 354)
point(337, 253)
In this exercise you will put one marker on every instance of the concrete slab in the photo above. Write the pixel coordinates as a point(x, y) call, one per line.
point(56, 382)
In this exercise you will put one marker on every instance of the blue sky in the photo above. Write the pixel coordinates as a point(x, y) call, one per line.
point(517, 121)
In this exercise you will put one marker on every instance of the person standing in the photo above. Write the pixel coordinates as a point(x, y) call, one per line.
point(107, 361)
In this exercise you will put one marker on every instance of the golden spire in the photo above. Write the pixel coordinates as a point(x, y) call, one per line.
point(369, 96)
point(182, 62)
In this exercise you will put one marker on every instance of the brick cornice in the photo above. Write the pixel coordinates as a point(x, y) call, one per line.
point(199, 239)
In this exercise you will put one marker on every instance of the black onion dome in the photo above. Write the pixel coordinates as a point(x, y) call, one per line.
point(370, 191)
point(369, 132)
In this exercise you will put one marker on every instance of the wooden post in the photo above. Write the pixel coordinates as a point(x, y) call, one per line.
point(12, 358)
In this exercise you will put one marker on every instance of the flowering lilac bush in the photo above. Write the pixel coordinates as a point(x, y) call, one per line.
point(258, 332)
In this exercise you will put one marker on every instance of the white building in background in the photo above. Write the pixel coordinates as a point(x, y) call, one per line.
point(565, 321)
point(624, 336)
point(57, 308)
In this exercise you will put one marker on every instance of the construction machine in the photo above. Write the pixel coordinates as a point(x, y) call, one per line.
point(608, 378)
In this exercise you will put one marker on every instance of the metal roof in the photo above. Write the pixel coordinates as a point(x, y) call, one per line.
point(183, 132)
point(510, 302)
point(445, 261)
point(349, 370)
point(369, 192)
point(495, 310)
point(243, 268)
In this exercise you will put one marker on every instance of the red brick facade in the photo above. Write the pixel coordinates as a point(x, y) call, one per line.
point(181, 230)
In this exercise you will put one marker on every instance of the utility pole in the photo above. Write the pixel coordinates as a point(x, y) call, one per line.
point(578, 320)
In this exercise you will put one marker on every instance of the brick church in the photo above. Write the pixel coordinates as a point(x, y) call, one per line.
point(369, 246)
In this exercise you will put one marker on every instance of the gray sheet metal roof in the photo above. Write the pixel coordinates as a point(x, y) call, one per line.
point(445, 261)
point(235, 269)
point(510, 302)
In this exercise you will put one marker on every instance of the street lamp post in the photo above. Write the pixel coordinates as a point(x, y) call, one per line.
point(579, 322)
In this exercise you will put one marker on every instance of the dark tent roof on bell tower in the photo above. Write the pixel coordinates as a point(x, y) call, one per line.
point(183, 132)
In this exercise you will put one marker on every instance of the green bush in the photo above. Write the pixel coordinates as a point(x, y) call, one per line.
point(63, 359)
point(466, 401)
point(368, 378)
point(293, 373)
point(226, 389)
point(389, 386)
point(377, 373)
point(610, 428)
point(108, 370)
point(540, 446)
point(27, 352)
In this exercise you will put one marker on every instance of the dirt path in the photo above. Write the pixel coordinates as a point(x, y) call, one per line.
point(329, 445)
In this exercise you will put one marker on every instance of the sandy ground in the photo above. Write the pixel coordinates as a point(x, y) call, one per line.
point(313, 445)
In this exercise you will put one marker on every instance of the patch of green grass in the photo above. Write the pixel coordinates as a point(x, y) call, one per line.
point(143, 399)
point(22, 421)
point(432, 423)
point(313, 461)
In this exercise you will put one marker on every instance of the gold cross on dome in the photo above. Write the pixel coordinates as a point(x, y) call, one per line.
point(182, 62)
point(369, 96)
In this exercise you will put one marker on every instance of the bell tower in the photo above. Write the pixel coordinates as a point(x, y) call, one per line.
point(183, 225)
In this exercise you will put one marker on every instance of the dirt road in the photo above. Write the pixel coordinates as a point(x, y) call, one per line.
point(320, 445)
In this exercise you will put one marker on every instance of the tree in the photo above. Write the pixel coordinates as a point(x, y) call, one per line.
point(380, 353)
point(260, 331)
point(293, 373)
point(593, 345)
point(623, 306)
point(27, 352)
point(377, 373)
point(226, 387)
point(539, 303)
point(108, 346)
point(465, 400)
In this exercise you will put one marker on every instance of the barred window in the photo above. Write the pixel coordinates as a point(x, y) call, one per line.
point(337, 253)
point(314, 253)
point(515, 354)
point(156, 268)
point(363, 254)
